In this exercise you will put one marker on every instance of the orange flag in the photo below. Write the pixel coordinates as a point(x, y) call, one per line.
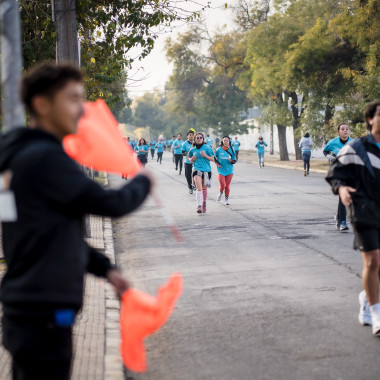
point(99, 143)
point(141, 315)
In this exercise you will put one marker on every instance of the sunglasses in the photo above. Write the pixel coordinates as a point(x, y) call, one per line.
point(199, 138)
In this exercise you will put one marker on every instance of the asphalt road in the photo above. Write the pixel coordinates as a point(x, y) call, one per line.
point(270, 287)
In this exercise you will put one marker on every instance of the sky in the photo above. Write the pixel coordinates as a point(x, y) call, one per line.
point(154, 70)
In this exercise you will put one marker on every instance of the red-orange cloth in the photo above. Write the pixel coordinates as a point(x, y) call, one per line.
point(141, 315)
point(98, 142)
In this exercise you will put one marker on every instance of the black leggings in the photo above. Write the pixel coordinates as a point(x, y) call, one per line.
point(178, 160)
point(152, 152)
point(306, 160)
point(159, 156)
point(341, 211)
point(188, 171)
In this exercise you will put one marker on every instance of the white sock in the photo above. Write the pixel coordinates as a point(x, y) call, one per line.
point(199, 196)
point(375, 310)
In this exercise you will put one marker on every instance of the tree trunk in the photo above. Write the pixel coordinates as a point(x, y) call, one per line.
point(271, 139)
point(11, 65)
point(296, 124)
point(329, 113)
point(284, 156)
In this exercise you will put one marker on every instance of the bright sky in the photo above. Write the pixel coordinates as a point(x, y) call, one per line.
point(155, 66)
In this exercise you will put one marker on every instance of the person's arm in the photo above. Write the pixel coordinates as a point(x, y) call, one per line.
point(205, 155)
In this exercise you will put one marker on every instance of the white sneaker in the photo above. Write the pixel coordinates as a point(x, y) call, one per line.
point(219, 197)
point(365, 312)
point(227, 202)
point(375, 324)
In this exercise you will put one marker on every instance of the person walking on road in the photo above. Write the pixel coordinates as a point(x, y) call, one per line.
point(225, 159)
point(306, 144)
point(44, 249)
point(236, 146)
point(142, 151)
point(355, 176)
point(331, 150)
point(160, 150)
point(186, 146)
point(152, 147)
point(177, 149)
point(200, 156)
point(260, 146)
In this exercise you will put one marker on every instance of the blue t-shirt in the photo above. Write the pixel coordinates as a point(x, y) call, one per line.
point(201, 163)
point(335, 145)
point(378, 145)
point(236, 145)
point(171, 142)
point(160, 147)
point(261, 147)
point(223, 156)
point(142, 149)
point(209, 141)
point(152, 145)
point(177, 146)
point(186, 146)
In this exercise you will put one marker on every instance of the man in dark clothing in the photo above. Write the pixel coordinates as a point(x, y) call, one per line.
point(44, 249)
point(355, 176)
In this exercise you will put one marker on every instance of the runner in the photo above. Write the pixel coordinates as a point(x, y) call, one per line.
point(142, 151)
point(160, 150)
point(331, 150)
point(177, 149)
point(355, 176)
point(260, 146)
point(171, 147)
point(201, 155)
point(306, 144)
point(209, 141)
point(225, 160)
point(236, 147)
point(152, 147)
point(186, 146)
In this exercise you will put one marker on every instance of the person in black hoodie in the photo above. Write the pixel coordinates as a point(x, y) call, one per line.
point(44, 249)
point(355, 176)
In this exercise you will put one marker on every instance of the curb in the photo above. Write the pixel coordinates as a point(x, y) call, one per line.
point(295, 168)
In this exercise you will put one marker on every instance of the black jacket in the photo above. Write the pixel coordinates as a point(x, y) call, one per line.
point(44, 249)
point(358, 165)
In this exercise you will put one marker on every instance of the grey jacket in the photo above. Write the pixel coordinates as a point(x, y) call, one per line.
point(306, 143)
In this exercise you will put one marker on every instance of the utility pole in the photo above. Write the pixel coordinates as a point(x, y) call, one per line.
point(11, 65)
point(66, 26)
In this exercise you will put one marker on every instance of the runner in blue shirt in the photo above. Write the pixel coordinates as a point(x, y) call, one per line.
point(152, 147)
point(260, 146)
point(200, 156)
point(331, 150)
point(171, 146)
point(186, 146)
point(160, 150)
point(142, 151)
point(177, 149)
point(236, 146)
point(209, 141)
point(225, 159)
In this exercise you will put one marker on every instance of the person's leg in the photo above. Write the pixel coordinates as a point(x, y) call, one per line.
point(204, 193)
point(176, 161)
point(180, 163)
point(198, 192)
point(237, 154)
point(227, 192)
point(188, 170)
point(222, 186)
point(308, 163)
point(342, 216)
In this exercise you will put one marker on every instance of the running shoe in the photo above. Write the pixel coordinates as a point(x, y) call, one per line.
point(343, 226)
point(219, 197)
point(304, 173)
point(176, 168)
point(199, 210)
point(226, 201)
point(337, 224)
point(375, 324)
point(204, 208)
point(365, 312)
point(191, 191)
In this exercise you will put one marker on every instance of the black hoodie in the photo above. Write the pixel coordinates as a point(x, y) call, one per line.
point(44, 249)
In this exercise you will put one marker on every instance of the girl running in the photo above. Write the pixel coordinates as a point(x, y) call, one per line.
point(225, 160)
point(200, 156)
point(306, 144)
point(160, 150)
point(260, 146)
point(142, 151)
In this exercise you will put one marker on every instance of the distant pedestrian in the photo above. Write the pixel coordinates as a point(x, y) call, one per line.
point(355, 176)
point(306, 144)
point(177, 149)
point(171, 147)
point(236, 146)
point(152, 147)
point(201, 155)
point(225, 159)
point(44, 249)
point(186, 146)
point(209, 141)
point(217, 141)
point(331, 150)
point(260, 146)
point(142, 151)
point(160, 150)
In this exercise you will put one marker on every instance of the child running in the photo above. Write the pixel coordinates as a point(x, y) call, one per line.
point(236, 146)
point(186, 146)
point(152, 146)
point(177, 149)
point(306, 144)
point(201, 155)
point(260, 146)
point(160, 150)
point(225, 159)
point(142, 151)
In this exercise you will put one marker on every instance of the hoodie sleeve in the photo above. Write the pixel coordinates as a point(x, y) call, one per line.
point(62, 183)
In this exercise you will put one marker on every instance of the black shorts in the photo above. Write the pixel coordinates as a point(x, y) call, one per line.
point(142, 158)
point(366, 238)
point(195, 172)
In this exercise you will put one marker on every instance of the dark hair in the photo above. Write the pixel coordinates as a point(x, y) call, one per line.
point(307, 134)
point(190, 132)
point(47, 79)
point(370, 112)
point(341, 125)
point(179, 134)
point(142, 138)
point(229, 139)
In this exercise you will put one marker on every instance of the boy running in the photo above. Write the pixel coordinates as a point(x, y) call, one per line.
point(236, 146)
point(186, 146)
point(177, 149)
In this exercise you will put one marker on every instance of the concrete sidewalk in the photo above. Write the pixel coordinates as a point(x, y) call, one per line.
point(96, 337)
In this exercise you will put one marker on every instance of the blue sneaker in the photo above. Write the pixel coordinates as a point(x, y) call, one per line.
point(343, 226)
